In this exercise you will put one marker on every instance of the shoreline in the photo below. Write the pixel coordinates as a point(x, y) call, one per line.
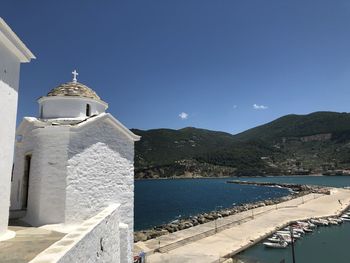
point(220, 241)
point(296, 190)
point(234, 176)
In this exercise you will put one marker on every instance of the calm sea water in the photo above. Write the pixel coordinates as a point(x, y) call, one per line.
point(336, 181)
point(161, 201)
point(325, 245)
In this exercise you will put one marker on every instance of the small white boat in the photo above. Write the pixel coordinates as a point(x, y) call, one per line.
point(307, 229)
point(333, 222)
point(324, 222)
point(280, 238)
point(282, 244)
point(287, 233)
point(316, 222)
point(345, 219)
point(338, 220)
point(275, 239)
point(311, 225)
point(319, 222)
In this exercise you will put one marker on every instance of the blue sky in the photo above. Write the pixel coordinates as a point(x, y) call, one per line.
point(209, 62)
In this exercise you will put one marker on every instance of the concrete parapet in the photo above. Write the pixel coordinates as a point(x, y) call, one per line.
point(95, 240)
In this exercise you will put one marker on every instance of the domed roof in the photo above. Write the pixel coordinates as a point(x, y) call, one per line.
point(73, 88)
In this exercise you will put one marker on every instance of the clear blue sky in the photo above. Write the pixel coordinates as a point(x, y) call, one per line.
point(213, 60)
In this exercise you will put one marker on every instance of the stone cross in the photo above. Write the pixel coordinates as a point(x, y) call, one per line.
point(75, 74)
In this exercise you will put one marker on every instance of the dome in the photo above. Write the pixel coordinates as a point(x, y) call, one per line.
point(74, 89)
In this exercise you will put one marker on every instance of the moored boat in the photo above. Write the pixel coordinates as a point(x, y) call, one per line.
point(282, 244)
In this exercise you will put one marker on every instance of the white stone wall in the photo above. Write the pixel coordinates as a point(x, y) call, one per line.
point(76, 171)
point(95, 240)
point(9, 79)
point(21, 149)
point(100, 172)
point(68, 107)
point(47, 179)
point(126, 254)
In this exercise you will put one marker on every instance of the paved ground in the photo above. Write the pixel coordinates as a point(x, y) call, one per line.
point(249, 230)
point(28, 243)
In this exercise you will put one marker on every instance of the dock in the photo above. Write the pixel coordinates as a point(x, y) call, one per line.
point(217, 241)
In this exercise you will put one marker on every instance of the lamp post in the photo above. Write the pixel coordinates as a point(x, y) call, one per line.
point(292, 238)
point(216, 211)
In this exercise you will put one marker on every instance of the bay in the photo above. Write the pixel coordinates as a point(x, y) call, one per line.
point(161, 201)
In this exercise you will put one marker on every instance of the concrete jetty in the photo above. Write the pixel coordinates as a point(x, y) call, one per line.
point(218, 240)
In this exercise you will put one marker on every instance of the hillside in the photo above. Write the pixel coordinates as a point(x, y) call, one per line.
point(299, 126)
point(293, 144)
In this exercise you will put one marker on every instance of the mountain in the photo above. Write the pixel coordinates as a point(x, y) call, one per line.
point(299, 126)
point(293, 144)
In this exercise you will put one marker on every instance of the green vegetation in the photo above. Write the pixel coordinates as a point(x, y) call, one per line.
point(294, 144)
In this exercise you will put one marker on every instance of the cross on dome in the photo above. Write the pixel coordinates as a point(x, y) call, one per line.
point(75, 74)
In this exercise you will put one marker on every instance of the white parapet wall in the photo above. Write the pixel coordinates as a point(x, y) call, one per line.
point(98, 239)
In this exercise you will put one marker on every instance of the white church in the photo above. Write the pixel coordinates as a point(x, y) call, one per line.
point(74, 166)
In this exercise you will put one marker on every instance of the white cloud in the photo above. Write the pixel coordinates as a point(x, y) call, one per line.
point(259, 107)
point(183, 116)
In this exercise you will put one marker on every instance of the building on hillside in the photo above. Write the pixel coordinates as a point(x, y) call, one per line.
point(12, 53)
point(73, 161)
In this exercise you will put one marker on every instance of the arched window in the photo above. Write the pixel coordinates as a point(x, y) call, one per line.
point(88, 110)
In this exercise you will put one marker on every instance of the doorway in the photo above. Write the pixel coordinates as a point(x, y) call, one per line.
point(25, 182)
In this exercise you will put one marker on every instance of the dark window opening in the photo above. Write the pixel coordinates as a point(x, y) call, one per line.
point(88, 110)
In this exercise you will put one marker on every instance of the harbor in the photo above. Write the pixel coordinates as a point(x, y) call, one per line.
point(221, 239)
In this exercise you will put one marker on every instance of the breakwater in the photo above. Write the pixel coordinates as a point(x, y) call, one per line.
point(297, 190)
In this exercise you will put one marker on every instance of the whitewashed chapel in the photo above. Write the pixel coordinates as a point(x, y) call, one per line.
point(73, 168)
point(73, 160)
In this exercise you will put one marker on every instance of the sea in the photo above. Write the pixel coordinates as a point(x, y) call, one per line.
point(162, 201)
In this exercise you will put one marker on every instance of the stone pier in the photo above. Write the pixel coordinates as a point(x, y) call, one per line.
point(218, 240)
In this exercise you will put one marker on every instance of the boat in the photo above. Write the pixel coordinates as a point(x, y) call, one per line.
point(316, 222)
point(338, 220)
point(319, 222)
point(287, 233)
point(345, 219)
point(333, 222)
point(311, 225)
point(296, 229)
point(324, 222)
point(282, 244)
point(278, 238)
point(307, 229)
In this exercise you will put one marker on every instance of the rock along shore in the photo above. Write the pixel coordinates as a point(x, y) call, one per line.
point(297, 190)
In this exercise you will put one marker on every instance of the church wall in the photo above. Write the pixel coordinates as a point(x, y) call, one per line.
point(47, 180)
point(9, 79)
point(68, 107)
point(100, 172)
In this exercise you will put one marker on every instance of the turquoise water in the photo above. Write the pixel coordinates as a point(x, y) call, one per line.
point(324, 245)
